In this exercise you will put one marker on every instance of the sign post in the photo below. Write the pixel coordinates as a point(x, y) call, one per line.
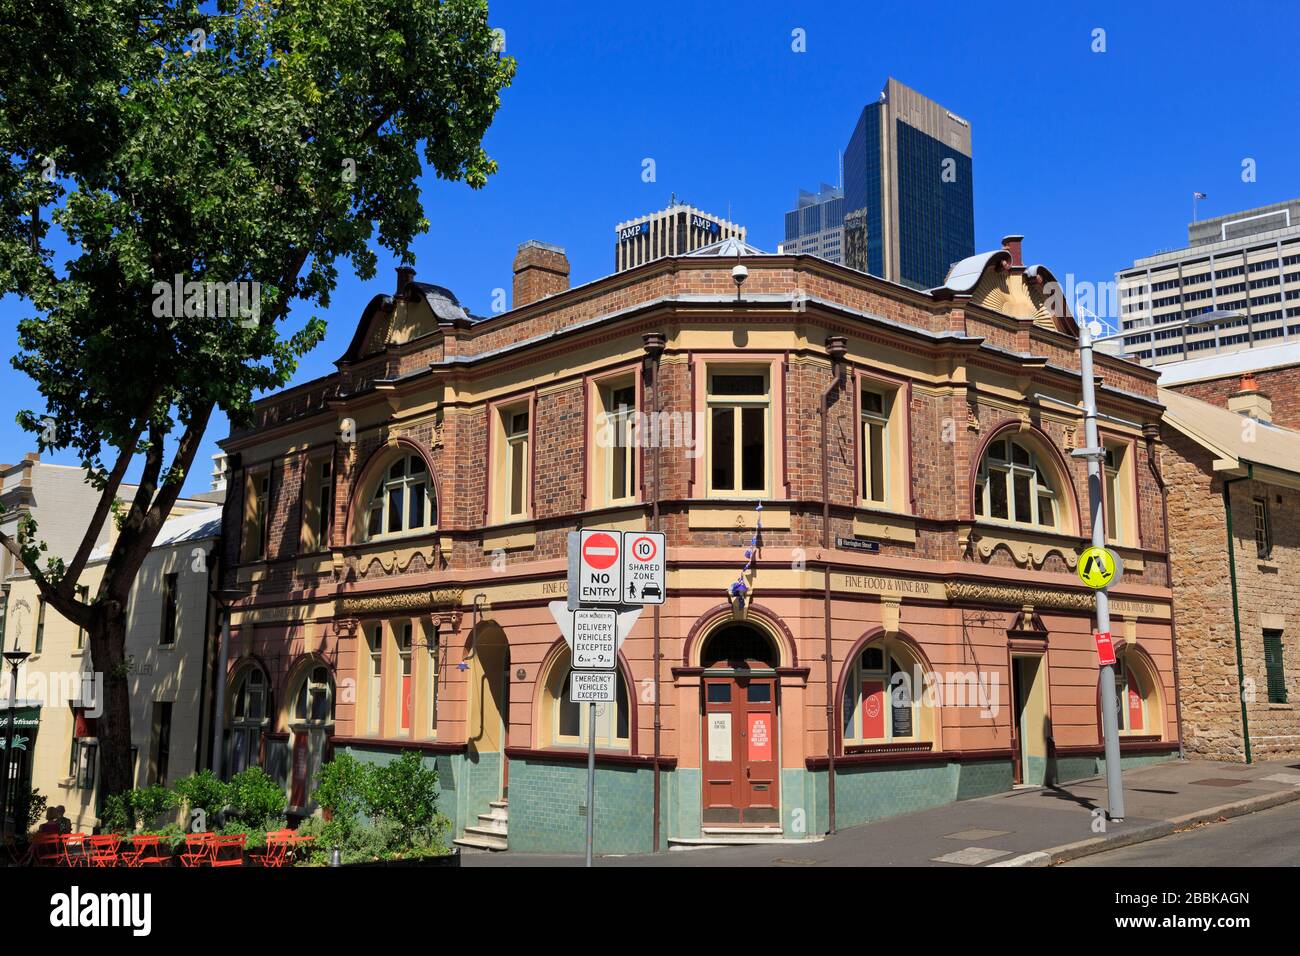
point(1098, 570)
point(612, 574)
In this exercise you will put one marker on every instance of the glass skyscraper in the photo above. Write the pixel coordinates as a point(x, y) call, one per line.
point(908, 196)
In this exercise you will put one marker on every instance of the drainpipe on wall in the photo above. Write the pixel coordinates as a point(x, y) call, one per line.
point(837, 347)
point(1150, 432)
point(654, 348)
point(1236, 611)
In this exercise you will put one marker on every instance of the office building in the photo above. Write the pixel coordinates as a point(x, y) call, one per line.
point(908, 192)
point(674, 231)
point(815, 226)
point(1235, 286)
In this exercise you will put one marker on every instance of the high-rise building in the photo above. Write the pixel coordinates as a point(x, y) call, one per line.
point(1235, 286)
point(674, 231)
point(908, 190)
point(816, 224)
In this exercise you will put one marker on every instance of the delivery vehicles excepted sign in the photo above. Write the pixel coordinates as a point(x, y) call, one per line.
point(595, 639)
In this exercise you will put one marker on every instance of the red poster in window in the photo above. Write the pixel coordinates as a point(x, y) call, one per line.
point(406, 702)
point(760, 738)
point(873, 709)
point(1134, 709)
point(298, 794)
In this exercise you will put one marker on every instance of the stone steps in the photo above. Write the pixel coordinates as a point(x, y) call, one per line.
point(492, 831)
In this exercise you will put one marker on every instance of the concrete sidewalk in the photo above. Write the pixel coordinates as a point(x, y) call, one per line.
point(1026, 827)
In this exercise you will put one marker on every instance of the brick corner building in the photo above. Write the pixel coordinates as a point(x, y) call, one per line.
point(911, 630)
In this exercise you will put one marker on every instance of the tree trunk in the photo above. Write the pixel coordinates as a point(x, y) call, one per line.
point(107, 636)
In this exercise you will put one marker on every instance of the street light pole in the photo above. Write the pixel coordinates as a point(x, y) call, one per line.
point(15, 659)
point(1095, 454)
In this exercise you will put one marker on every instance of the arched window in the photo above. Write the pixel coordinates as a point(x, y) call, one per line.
point(1136, 697)
point(1012, 485)
point(883, 697)
point(403, 500)
point(568, 723)
point(249, 717)
point(738, 645)
point(313, 703)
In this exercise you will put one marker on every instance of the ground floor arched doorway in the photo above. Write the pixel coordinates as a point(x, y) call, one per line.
point(740, 747)
point(489, 700)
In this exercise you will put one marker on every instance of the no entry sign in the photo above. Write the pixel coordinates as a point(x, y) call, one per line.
point(600, 575)
point(1105, 648)
point(643, 567)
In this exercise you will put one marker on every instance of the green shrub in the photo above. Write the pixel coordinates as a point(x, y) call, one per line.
point(400, 799)
point(125, 812)
point(29, 810)
point(404, 793)
point(205, 793)
point(255, 802)
point(342, 786)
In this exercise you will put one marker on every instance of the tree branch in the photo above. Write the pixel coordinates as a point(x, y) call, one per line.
point(69, 607)
point(69, 580)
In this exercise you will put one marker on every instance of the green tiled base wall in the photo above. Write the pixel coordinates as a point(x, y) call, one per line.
point(547, 801)
point(1065, 769)
point(547, 797)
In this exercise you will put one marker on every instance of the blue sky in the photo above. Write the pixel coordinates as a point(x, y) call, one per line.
point(1092, 156)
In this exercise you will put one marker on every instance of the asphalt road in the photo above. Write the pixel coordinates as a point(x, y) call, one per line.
point(1267, 838)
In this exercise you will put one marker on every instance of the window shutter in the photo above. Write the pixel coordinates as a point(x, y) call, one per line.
point(1273, 665)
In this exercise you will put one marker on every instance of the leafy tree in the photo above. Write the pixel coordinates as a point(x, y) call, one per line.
point(247, 141)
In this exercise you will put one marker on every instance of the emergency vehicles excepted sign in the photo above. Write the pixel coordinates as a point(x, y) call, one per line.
point(599, 570)
point(643, 567)
point(592, 687)
point(1105, 648)
point(595, 639)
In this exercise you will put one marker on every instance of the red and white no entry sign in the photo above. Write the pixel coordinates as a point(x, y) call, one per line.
point(600, 551)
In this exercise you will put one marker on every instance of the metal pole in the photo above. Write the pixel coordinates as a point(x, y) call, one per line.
point(219, 705)
point(9, 747)
point(1109, 706)
point(591, 777)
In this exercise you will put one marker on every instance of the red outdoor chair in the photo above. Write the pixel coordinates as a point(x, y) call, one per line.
point(227, 850)
point(277, 845)
point(198, 849)
point(144, 851)
point(74, 850)
point(103, 849)
point(45, 849)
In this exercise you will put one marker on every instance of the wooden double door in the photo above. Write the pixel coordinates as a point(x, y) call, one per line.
point(741, 775)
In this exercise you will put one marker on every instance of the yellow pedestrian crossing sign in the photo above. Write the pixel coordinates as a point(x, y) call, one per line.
point(1099, 567)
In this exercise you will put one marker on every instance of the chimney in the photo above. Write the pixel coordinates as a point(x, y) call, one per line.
point(541, 269)
point(405, 276)
point(1248, 400)
point(1012, 245)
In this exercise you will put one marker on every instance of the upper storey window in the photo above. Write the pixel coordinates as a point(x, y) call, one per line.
point(740, 433)
point(403, 500)
point(1012, 485)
